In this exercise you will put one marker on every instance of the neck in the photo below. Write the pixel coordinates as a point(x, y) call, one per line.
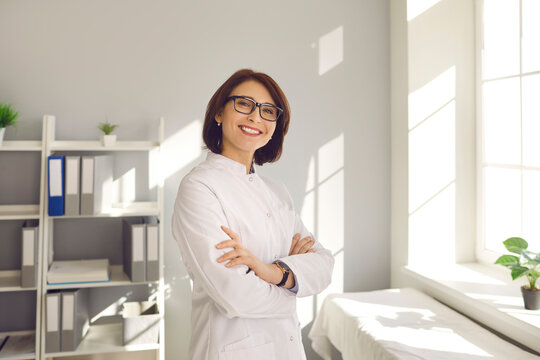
point(243, 158)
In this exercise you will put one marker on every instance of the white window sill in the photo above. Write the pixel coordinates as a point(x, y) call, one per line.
point(484, 293)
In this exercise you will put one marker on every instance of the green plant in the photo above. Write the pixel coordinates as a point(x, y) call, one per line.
point(107, 127)
point(7, 116)
point(525, 265)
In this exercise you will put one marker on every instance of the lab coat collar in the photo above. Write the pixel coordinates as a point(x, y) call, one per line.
point(229, 164)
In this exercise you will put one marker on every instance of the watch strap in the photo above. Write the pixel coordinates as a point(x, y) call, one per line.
point(285, 270)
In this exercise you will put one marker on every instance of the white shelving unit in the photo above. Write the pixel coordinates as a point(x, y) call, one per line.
point(102, 338)
point(10, 279)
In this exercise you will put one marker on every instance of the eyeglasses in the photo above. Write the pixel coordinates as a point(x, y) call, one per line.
point(245, 105)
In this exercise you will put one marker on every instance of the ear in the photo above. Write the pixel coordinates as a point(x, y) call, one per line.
point(219, 117)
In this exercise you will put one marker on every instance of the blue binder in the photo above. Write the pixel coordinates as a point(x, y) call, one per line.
point(56, 165)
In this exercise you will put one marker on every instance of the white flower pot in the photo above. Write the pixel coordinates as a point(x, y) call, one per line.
point(108, 140)
point(2, 131)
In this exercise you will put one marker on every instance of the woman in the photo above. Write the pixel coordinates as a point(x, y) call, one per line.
point(247, 252)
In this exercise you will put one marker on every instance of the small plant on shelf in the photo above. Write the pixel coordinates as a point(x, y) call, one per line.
point(526, 264)
point(8, 117)
point(107, 139)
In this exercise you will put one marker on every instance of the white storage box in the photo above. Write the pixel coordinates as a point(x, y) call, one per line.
point(141, 323)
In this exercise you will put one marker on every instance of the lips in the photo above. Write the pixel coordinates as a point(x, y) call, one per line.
point(249, 130)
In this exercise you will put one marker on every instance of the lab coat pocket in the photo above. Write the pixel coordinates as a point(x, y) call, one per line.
point(252, 347)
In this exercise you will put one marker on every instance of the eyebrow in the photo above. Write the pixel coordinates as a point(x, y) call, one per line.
point(249, 97)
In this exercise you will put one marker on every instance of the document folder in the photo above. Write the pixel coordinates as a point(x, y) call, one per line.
point(134, 249)
point(52, 336)
point(73, 185)
point(152, 249)
point(75, 321)
point(29, 254)
point(96, 184)
point(56, 185)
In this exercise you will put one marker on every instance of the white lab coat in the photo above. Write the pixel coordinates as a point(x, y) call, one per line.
point(235, 314)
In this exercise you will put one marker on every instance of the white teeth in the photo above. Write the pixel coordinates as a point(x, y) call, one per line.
point(248, 130)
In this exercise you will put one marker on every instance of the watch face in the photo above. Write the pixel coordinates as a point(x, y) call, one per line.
point(284, 266)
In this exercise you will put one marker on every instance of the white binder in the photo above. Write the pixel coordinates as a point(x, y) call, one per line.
point(73, 184)
point(29, 254)
point(96, 184)
point(52, 336)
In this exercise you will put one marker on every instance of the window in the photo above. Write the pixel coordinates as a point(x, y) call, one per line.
point(508, 104)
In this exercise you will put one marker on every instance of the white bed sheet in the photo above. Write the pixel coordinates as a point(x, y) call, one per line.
point(403, 324)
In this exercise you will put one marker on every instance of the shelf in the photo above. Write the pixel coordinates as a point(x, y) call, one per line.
point(118, 278)
point(21, 146)
point(133, 209)
point(19, 212)
point(103, 338)
point(10, 280)
point(25, 356)
point(97, 146)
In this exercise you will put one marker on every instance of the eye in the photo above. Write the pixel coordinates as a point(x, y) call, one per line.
point(269, 110)
point(243, 103)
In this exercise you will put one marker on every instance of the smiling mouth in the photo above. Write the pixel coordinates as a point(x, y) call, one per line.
point(250, 131)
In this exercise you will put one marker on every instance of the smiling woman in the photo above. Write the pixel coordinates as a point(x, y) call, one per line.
point(246, 250)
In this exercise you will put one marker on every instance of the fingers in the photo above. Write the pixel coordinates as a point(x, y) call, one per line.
point(229, 232)
point(295, 240)
point(230, 255)
point(306, 245)
point(228, 244)
point(302, 246)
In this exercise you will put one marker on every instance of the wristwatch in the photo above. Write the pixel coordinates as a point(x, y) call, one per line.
point(285, 270)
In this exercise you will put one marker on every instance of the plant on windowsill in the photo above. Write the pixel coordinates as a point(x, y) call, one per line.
point(107, 139)
point(8, 117)
point(527, 264)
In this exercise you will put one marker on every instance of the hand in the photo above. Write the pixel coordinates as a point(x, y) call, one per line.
point(301, 246)
point(242, 256)
point(239, 255)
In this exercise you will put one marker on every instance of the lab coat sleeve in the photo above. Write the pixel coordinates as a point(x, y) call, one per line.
point(196, 223)
point(313, 271)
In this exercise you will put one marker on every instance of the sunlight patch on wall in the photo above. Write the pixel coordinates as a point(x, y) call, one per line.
point(432, 230)
point(124, 187)
point(417, 7)
point(323, 213)
point(431, 97)
point(182, 148)
point(331, 158)
point(155, 172)
point(310, 183)
point(432, 156)
point(432, 171)
point(502, 204)
point(330, 50)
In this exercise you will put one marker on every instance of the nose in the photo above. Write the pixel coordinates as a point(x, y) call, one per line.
point(255, 115)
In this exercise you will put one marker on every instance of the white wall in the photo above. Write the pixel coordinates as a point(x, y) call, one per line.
point(433, 133)
point(131, 61)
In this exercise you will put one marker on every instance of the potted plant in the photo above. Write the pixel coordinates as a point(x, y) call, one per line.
point(527, 264)
point(107, 139)
point(8, 117)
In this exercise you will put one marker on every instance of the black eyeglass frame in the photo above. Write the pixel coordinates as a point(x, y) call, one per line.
point(259, 105)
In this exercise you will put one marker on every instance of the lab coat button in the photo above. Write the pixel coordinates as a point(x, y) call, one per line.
point(291, 338)
point(251, 179)
point(268, 214)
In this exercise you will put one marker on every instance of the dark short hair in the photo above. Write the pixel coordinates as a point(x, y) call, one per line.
point(212, 133)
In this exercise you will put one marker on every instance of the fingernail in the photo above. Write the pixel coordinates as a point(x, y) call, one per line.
point(228, 265)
